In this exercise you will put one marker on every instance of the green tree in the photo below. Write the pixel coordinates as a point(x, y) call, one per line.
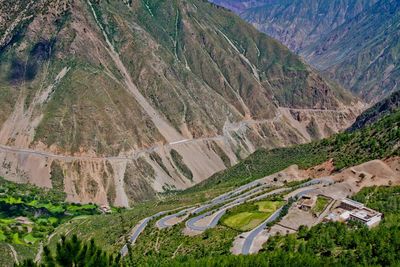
point(74, 253)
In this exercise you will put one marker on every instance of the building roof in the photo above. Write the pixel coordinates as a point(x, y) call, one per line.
point(345, 215)
point(353, 203)
point(365, 214)
point(308, 201)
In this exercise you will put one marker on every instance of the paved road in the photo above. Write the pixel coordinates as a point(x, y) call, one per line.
point(277, 191)
point(191, 223)
point(323, 180)
point(139, 229)
point(234, 196)
point(309, 187)
point(162, 223)
point(248, 242)
point(136, 154)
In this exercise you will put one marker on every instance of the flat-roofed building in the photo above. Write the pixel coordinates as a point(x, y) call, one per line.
point(352, 210)
point(349, 204)
point(367, 216)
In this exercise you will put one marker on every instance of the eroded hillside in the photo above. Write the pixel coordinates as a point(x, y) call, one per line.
point(354, 42)
point(115, 101)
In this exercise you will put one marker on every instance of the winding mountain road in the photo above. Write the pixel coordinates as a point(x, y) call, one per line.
point(248, 242)
point(303, 189)
point(163, 222)
point(133, 155)
point(234, 198)
point(138, 229)
point(215, 216)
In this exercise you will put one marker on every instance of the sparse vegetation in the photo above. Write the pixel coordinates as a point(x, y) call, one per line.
point(178, 160)
point(57, 177)
point(221, 154)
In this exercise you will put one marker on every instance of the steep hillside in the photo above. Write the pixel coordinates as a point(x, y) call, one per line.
point(363, 54)
point(297, 23)
point(380, 139)
point(354, 42)
point(379, 110)
point(240, 5)
point(114, 101)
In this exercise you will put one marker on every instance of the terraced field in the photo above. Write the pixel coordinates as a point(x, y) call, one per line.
point(29, 214)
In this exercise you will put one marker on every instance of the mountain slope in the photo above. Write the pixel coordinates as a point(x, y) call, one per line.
point(380, 139)
point(347, 149)
point(363, 54)
point(354, 42)
point(379, 110)
point(298, 23)
point(113, 102)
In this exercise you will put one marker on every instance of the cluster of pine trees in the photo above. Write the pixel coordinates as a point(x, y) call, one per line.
point(74, 253)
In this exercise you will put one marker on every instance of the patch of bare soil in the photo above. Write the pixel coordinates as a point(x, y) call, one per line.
point(324, 169)
point(189, 232)
point(297, 217)
point(290, 174)
point(375, 172)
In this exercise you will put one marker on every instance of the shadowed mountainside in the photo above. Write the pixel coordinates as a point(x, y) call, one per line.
point(379, 110)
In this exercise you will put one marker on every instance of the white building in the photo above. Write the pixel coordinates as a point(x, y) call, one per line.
point(367, 216)
point(353, 210)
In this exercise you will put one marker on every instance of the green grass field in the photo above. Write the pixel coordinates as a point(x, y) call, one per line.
point(247, 216)
point(320, 205)
point(269, 206)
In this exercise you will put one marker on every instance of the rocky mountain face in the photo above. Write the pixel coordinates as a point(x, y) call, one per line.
point(114, 101)
point(297, 23)
point(383, 108)
point(363, 54)
point(239, 6)
point(355, 42)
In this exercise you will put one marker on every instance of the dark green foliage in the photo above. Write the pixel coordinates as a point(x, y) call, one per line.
point(262, 163)
point(29, 192)
point(57, 176)
point(384, 199)
point(27, 71)
point(73, 252)
point(156, 247)
point(63, 19)
point(155, 157)
point(284, 212)
point(43, 210)
point(221, 154)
